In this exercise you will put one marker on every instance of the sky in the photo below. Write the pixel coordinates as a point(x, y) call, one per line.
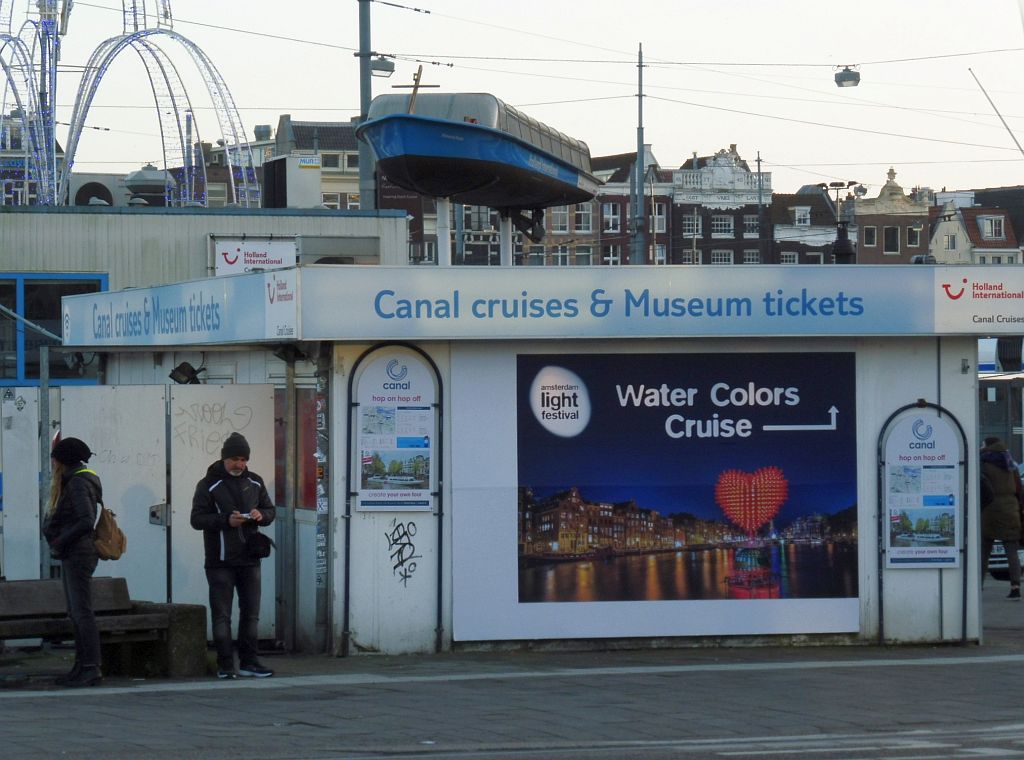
point(753, 73)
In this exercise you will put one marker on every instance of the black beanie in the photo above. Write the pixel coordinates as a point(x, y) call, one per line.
point(235, 445)
point(71, 451)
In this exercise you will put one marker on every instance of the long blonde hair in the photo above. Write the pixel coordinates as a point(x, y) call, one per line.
point(56, 484)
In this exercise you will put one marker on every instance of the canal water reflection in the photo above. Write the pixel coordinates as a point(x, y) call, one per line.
point(797, 571)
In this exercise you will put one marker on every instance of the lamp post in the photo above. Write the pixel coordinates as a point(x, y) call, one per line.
point(370, 65)
point(842, 249)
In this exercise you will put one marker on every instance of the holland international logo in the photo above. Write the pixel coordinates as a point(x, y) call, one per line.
point(923, 433)
point(226, 255)
point(560, 401)
point(396, 372)
point(279, 290)
point(67, 324)
point(955, 295)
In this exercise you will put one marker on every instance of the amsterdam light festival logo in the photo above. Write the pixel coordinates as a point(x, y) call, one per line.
point(560, 401)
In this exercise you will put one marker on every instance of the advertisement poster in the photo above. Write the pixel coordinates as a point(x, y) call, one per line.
point(663, 477)
point(923, 493)
point(396, 433)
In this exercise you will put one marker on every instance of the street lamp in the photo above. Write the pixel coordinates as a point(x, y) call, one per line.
point(847, 77)
point(381, 66)
point(842, 249)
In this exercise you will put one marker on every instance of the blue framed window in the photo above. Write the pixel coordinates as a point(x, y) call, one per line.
point(36, 297)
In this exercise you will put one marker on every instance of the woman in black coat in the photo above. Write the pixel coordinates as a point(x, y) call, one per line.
point(68, 528)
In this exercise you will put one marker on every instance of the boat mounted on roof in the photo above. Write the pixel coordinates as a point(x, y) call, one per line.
point(475, 149)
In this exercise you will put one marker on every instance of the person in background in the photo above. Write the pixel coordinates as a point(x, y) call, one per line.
point(68, 528)
point(228, 506)
point(1000, 518)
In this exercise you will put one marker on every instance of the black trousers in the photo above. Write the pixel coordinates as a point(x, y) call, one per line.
point(224, 581)
point(76, 574)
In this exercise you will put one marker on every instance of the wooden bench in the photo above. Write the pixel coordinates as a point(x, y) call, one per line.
point(138, 638)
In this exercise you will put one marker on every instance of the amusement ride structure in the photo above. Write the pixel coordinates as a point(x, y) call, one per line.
point(29, 57)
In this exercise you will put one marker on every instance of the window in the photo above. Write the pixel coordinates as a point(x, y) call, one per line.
point(560, 219)
point(611, 221)
point(330, 200)
point(37, 299)
point(353, 201)
point(751, 257)
point(691, 225)
point(913, 237)
point(351, 160)
point(536, 256)
point(657, 223)
point(216, 194)
point(721, 257)
point(479, 218)
point(691, 257)
point(870, 236)
point(949, 242)
point(584, 255)
point(659, 253)
point(583, 221)
point(789, 257)
point(991, 227)
point(560, 256)
point(751, 225)
point(890, 240)
point(330, 160)
point(612, 255)
point(721, 226)
point(802, 216)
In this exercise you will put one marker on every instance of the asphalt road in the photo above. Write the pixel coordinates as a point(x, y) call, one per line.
point(794, 702)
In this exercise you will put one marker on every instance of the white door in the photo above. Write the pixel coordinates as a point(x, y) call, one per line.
point(201, 417)
point(21, 545)
point(125, 426)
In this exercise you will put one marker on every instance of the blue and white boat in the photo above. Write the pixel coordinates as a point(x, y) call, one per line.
point(472, 148)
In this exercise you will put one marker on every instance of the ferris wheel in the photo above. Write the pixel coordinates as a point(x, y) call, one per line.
point(28, 57)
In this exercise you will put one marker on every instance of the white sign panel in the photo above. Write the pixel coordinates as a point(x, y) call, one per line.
point(988, 299)
point(396, 433)
point(676, 301)
point(215, 311)
point(923, 492)
point(523, 302)
point(239, 255)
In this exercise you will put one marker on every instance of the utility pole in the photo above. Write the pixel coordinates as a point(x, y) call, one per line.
point(367, 181)
point(760, 212)
point(637, 248)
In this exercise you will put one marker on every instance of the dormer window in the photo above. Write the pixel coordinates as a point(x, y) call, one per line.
point(991, 227)
point(802, 216)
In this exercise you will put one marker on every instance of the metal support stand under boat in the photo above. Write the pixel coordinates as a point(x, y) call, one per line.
point(505, 239)
point(444, 232)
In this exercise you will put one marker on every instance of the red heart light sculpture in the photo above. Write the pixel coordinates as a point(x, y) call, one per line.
point(751, 499)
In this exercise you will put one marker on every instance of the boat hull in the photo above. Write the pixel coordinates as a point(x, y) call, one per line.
point(472, 164)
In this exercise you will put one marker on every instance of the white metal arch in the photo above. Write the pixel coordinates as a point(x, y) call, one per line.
point(19, 82)
point(242, 172)
point(136, 15)
point(172, 103)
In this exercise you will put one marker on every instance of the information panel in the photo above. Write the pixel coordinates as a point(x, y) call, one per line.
point(396, 432)
point(923, 492)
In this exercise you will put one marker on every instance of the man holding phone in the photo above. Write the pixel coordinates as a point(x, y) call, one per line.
point(229, 505)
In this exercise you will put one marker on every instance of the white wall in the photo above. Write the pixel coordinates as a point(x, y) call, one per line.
point(920, 605)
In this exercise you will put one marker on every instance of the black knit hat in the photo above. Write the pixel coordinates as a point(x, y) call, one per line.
point(235, 445)
point(71, 451)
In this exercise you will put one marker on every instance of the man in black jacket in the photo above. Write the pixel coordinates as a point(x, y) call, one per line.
point(229, 505)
